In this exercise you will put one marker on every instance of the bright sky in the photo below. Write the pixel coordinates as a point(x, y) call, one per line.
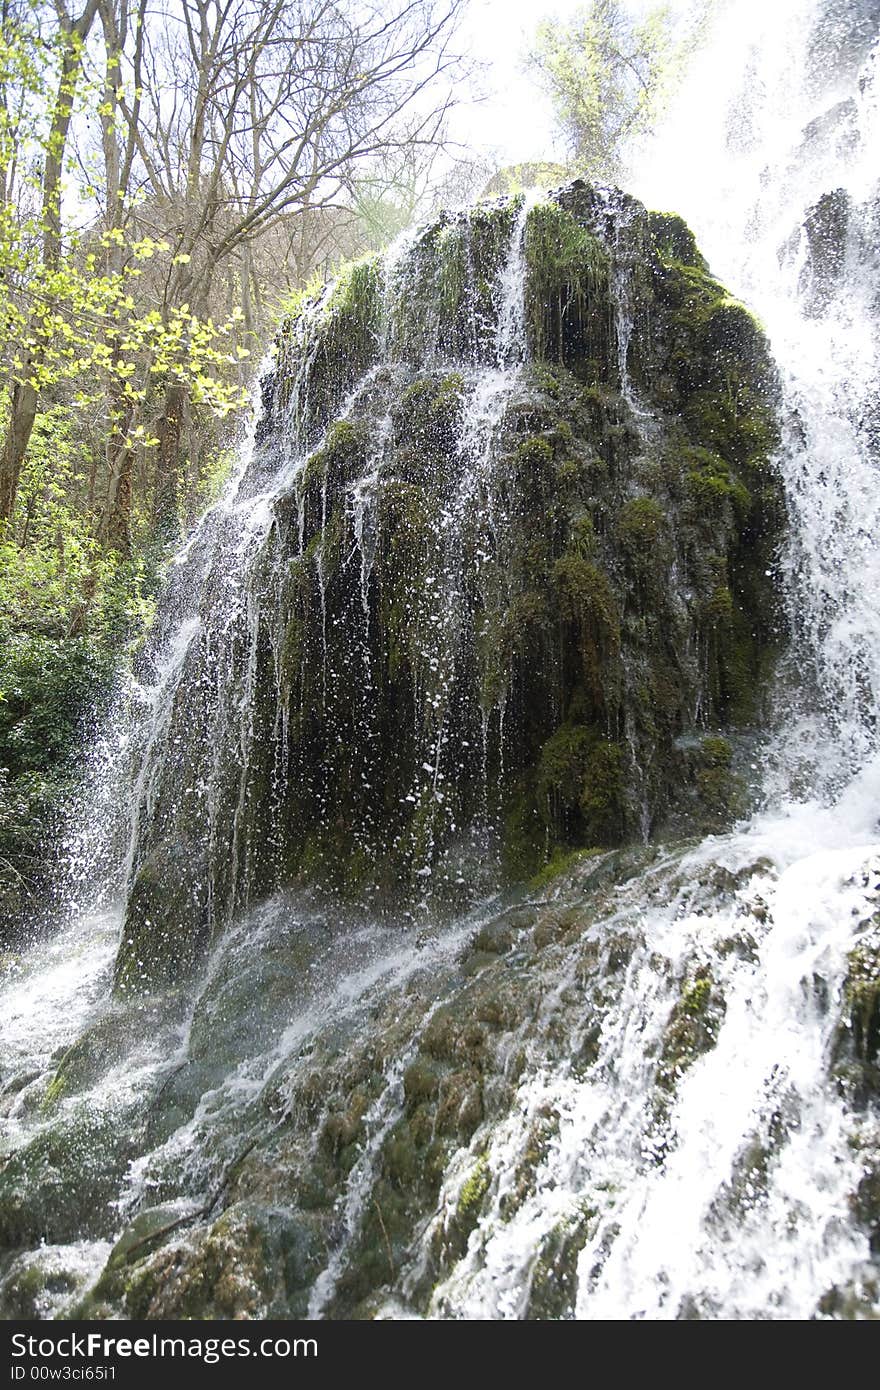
point(514, 121)
point(515, 118)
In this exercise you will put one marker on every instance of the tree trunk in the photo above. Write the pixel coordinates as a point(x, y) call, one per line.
point(115, 525)
point(166, 504)
point(23, 406)
point(118, 527)
point(22, 413)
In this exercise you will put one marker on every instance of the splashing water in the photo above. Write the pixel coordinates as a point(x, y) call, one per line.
point(745, 1208)
point(789, 121)
point(677, 1143)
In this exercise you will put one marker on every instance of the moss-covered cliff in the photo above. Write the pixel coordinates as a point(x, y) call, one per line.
point(510, 585)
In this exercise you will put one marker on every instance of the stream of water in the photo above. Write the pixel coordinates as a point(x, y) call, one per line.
point(735, 1198)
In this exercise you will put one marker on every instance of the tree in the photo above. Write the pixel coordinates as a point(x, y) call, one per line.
point(18, 81)
point(71, 325)
point(609, 75)
point(244, 112)
point(205, 133)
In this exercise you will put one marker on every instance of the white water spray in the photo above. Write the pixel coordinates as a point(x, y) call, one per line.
point(744, 1211)
point(721, 1186)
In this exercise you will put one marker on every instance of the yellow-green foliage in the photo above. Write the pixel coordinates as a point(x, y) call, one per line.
point(473, 1190)
point(54, 576)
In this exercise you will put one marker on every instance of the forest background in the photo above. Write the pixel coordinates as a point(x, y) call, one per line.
point(175, 176)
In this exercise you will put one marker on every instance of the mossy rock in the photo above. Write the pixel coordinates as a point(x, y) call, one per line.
point(673, 240)
point(499, 635)
point(35, 1285)
point(857, 1045)
point(553, 1278)
point(692, 1029)
point(248, 1263)
point(165, 928)
point(61, 1185)
point(465, 1217)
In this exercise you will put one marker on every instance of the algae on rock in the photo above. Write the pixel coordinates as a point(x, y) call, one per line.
point(524, 565)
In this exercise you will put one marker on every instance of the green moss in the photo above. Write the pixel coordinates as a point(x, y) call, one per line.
point(452, 272)
point(553, 1283)
point(709, 487)
point(693, 1027)
point(525, 842)
point(166, 922)
point(56, 1089)
point(490, 226)
point(862, 998)
point(548, 381)
point(726, 384)
point(563, 762)
point(582, 540)
point(673, 240)
point(448, 396)
point(356, 291)
point(602, 797)
point(718, 788)
point(585, 593)
point(567, 271)
point(581, 779)
point(339, 455)
point(430, 409)
point(718, 608)
point(642, 534)
point(292, 650)
point(536, 454)
point(696, 997)
point(731, 420)
point(641, 522)
point(342, 438)
point(325, 547)
point(561, 863)
point(473, 1190)
point(504, 625)
point(60, 1185)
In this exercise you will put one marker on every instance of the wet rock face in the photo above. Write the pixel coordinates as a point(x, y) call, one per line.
point(353, 1120)
point(510, 599)
point(827, 227)
point(357, 1170)
point(845, 33)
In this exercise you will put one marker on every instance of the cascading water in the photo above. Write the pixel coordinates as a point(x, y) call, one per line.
point(749, 1212)
point(780, 185)
point(453, 580)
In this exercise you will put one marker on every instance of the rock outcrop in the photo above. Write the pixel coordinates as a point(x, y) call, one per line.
point(507, 581)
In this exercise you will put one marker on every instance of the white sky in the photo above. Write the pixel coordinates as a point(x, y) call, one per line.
point(515, 119)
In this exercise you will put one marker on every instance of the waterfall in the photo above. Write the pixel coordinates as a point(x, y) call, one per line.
point(491, 584)
point(778, 180)
point(739, 1203)
point(749, 1214)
